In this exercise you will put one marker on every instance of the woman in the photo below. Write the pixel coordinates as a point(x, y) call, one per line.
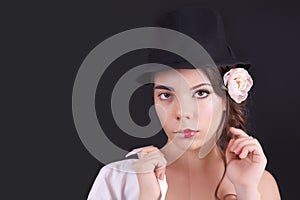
point(209, 154)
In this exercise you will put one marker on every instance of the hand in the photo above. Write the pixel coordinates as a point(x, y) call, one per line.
point(151, 160)
point(150, 166)
point(245, 159)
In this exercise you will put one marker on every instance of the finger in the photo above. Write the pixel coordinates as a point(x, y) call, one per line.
point(138, 150)
point(147, 150)
point(229, 154)
point(244, 143)
point(238, 132)
point(151, 156)
point(159, 173)
point(150, 162)
point(162, 176)
point(239, 143)
point(156, 158)
point(253, 151)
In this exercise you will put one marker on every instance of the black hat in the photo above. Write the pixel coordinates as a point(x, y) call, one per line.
point(204, 25)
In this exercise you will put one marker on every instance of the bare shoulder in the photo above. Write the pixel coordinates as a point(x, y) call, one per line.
point(268, 187)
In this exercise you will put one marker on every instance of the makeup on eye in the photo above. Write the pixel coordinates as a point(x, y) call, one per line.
point(202, 93)
point(164, 93)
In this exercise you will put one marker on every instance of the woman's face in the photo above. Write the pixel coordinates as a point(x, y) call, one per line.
point(187, 107)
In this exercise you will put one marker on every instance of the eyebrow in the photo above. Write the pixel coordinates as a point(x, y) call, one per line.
point(172, 89)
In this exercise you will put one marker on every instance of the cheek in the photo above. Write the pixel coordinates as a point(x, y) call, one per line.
point(208, 113)
point(212, 116)
point(162, 113)
point(205, 110)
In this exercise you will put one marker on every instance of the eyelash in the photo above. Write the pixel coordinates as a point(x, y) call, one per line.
point(205, 91)
point(202, 91)
point(164, 93)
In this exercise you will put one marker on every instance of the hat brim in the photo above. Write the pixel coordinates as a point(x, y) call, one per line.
point(147, 75)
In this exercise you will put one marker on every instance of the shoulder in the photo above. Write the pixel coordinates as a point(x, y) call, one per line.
point(126, 166)
point(118, 171)
point(116, 180)
point(268, 187)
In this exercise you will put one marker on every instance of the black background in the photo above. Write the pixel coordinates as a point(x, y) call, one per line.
point(44, 43)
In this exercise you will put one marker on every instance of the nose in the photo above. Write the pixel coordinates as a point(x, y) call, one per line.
point(182, 116)
point(185, 109)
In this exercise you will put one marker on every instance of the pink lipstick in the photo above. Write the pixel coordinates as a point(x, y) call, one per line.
point(188, 133)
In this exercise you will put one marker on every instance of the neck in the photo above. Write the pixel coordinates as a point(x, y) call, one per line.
point(181, 160)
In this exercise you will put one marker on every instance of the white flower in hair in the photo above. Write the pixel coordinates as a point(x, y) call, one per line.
point(238, 82)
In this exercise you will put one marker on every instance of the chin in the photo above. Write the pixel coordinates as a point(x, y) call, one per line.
point(187, 145)
point(194, 147)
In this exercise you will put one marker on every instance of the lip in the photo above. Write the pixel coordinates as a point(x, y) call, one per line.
point(187, 133)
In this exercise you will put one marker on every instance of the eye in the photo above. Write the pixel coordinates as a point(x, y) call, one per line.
point(201, 94)
point(164, 96)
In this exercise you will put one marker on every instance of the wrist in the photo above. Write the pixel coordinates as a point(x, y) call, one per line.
point(247, 192)
point(149, 187)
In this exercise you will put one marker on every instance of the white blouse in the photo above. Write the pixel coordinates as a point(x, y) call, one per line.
point(118, 181)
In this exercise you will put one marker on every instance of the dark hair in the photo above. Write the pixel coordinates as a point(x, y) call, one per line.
point(236, 114)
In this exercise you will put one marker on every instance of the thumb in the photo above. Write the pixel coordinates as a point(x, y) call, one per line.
point(160, 173)
point(160, 168)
